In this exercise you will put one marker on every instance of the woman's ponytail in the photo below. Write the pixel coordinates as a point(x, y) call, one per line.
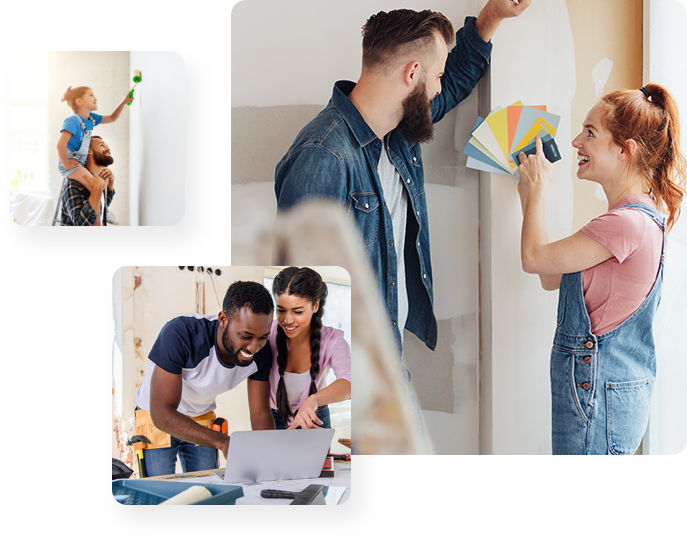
point(649, 116)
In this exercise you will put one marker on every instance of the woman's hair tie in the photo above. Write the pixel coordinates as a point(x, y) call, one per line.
point(645, 92)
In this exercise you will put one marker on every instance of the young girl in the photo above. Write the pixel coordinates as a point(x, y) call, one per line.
point(303, 353)
point(75, 138)
point(609, 273)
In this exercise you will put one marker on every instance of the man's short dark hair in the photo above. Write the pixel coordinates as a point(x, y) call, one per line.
point(384, 34)
point(247, 294)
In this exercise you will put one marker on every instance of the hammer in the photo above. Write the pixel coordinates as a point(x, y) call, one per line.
point(139, 442)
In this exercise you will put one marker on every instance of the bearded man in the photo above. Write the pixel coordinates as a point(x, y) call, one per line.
point(363, 149)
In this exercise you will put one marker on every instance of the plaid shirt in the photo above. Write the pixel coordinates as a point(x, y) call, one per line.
point(76, 210)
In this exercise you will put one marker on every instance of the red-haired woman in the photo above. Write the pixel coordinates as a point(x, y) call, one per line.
point(609, 273)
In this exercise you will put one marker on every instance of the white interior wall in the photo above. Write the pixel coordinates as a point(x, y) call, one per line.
point(158, 139)
point(117, 368)
point(518, 316)
point(665, 62)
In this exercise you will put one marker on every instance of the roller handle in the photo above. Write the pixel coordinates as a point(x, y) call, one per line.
point(136, 80)
point(277, 494)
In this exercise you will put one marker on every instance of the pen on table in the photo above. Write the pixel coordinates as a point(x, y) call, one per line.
point(344, 457)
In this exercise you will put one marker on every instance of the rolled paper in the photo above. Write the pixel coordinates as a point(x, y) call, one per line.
point(189, 496)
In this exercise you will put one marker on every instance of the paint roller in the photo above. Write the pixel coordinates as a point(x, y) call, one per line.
point(190, 496)
point(137, 79)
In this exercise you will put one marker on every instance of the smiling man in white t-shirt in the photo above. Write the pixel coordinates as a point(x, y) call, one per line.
point(194, 359)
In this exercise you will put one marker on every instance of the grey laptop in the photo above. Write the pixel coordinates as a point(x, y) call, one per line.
point(277, 454)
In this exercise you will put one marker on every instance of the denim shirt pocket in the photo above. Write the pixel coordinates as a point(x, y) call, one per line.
point(365, 209)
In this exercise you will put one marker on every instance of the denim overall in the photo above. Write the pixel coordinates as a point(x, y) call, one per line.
point(601, 385)
point(80, 154)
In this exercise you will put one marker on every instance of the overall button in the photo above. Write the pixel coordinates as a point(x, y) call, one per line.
point(587, 360)
point(589, 344)
point(585, 386)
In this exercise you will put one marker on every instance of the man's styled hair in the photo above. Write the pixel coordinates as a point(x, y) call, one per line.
point(247, 294)
point(388, 34)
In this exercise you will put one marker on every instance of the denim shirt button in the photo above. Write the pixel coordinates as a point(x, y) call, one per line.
point(587, 360)
point(589, 344)
point(367, 205)
point(393, 283)
point(408, 181)
point(585, 386)
point(391, 244)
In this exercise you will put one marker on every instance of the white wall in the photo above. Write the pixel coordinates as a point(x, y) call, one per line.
point(666, 48)
point(158, 139)
point(519, 316)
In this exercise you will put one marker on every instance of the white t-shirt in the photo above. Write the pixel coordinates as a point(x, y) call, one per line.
point(187, 346)
point(396, 199)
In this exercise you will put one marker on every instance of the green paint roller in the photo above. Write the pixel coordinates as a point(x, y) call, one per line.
point(137, 79)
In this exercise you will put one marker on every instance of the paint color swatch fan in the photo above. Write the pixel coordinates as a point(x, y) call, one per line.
point(497, 140)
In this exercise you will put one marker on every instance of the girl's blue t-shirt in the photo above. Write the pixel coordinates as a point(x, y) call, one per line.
point(73, 126)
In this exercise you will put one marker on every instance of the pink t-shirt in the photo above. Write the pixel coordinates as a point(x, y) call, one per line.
point(335, 354)
point(614, 289)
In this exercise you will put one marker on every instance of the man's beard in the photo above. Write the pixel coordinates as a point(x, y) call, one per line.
point(102, 160)
point(231, 352)
point(416, 125)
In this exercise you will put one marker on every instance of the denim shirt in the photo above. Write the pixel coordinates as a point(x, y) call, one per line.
point(335, 156)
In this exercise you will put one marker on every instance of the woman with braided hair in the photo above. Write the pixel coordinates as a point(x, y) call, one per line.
point(303, 352)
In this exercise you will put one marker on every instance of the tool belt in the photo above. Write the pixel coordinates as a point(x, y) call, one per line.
point(160, 439)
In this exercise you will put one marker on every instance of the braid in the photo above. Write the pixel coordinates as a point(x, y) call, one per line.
point(282, 398)
point(315, 337)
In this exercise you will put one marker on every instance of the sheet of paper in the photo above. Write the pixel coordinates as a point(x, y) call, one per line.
point(498, 122)
point(514, 117)
point(486, 136)
point(475, 149)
